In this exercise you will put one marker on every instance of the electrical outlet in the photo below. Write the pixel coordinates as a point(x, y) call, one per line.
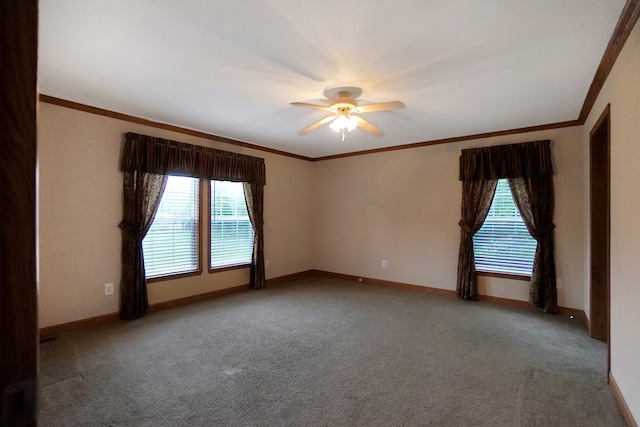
point(108, 288)
point(558, 283)
point(360, 279)
point(266, 263)
point(384, 263)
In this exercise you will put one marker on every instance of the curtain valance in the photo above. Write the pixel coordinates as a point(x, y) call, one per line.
point(506, 161)
point(162, 156)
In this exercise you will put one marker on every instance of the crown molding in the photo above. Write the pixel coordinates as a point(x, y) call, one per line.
point(627, 21)
point(558, 125)
point(159, 125)
point(138, 120)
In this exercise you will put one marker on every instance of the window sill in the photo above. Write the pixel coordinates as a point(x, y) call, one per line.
point(504, 275)
point(228, 267)
point(174, 276)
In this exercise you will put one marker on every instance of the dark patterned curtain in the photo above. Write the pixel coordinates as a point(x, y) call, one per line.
point(506, 161)
point(534, 198)
point(142, 194)
point(146, 161)
point(528, 167)
point(163, 156)
point(476, 201)
point(254, 197)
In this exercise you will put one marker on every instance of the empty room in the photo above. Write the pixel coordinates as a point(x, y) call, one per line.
point(262, 213)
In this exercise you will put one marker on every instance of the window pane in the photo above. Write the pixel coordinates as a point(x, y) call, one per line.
point(503, 244)
point(171, 244)
point(231, 229)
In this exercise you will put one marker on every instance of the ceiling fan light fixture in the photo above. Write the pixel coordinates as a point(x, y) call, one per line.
point(342, 122)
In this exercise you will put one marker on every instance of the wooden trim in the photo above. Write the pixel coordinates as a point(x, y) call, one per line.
point(600, 230)
point(605, 115)
point(288, 278)
point(627, 21)
point(525, 305)
point(576, 313)
point(600, 218)
point(504, 275)
point(558, 125)
point(174, 276)
point(227, 267)
point(158, 125)
point(419, 288)
point(133, 119)
point(336, 275)
point(386, 283)
point(622, 403)
point(49, 332)
point(197, 298)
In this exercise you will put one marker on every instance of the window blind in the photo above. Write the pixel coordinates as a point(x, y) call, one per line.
point(503, 244)
point(231, 229)
point(171, 244)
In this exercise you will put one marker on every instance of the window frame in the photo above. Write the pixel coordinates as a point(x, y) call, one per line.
point(209, 249)
point(501, 274)
point(198, 270)
point(511, 276)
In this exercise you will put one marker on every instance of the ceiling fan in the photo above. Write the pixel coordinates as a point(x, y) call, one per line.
point(344, 109)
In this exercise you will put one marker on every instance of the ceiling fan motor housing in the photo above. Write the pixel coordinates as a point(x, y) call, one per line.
point(343, 103)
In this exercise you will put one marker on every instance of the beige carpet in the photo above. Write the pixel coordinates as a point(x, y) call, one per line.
point(325, 352)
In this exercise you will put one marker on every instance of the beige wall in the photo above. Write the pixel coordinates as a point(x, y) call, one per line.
point(80, 206)
point(342, 215)
point(622, 91)
point(404, 206)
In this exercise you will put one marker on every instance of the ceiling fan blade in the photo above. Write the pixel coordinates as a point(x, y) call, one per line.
point(366, 126)
point(383, 106)
point(307, 105)
point(316, 125)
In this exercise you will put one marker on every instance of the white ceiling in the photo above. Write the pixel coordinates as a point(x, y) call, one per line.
point(230, 68)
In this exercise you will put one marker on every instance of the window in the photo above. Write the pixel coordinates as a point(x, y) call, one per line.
point(503, 244)
point(231, 235)
point(171, 246)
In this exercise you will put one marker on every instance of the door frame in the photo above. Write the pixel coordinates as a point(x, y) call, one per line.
point(600, 230)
